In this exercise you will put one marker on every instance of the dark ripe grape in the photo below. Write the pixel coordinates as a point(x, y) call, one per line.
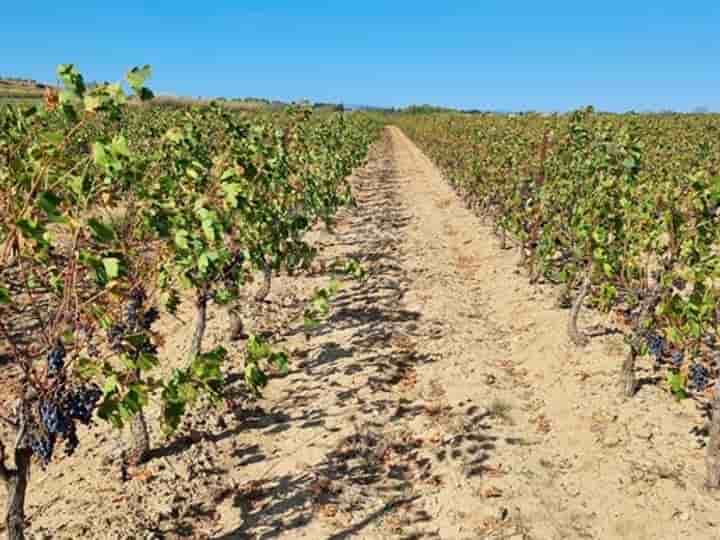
point(115, 336)
point(71, 441)
point(150, 317)
point(42, 447)
point(656, 345)
point(677, 358)
point(80, 404)
point(132, 316)
point(679, 284)
point(56, 359)
point(148, 347)
point(699, 376)
point(92, 350)
point(53, 418)
point(137, 298)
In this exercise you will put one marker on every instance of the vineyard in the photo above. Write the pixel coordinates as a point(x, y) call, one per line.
point(114, 214)
point(217, 323)
point(621, 211)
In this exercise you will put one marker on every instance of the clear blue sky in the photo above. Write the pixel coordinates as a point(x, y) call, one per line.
point(551, 55)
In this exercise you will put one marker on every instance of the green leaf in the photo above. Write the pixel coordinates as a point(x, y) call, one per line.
point(188, 393)
point(280, 361)
point(145, 94)
point(257, 349)
point(52, 137)
point(87, 368)
point(209, 228)
point(173, 411)
point(119, 146)
point(146, 362)
point(203, 262)
point(255, 377)
point(629, 163)
point(49, 203)
point(170, 300)
point(33, 229)
point(116, 93)
point(676, 381)
point(73, 82)
point(110, 386)
point(100, 155)
point(181, 239)
point(5, 296)
point(232, 190)
point(112, 267)
point(102, 232)
point(92, 102)
point(137, 76)
point(174, 134)
point(108, 411)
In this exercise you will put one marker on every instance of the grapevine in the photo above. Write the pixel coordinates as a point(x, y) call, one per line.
point(114, 212)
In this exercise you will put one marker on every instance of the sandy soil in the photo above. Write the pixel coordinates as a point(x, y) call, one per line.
point(440, 399)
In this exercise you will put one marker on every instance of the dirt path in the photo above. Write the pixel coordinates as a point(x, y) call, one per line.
point(441, 399)
point(457, 406)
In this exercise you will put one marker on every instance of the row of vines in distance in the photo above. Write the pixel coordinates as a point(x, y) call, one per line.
point(621, 211)
point(113, 211)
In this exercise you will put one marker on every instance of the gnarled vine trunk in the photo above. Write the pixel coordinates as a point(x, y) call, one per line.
point(577, 337)
point(264, 291)
point(627, 373)
point(712, 458)
point(200, 324)
point(16, 489)
point(140, 439)
point(16, 480)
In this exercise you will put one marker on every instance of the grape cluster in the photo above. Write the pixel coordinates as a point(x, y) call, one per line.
point(43, 447)
point(81, 403)
point(699, 376)
point(151, 316)
point(56, 359)
point(135, 321)
point(115, 335)
point(53, 418)
point(677, 358)
point(57, 419)
point(132, 314)
point(656, 345)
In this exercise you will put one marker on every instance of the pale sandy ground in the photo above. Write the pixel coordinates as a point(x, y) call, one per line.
point(441, 399)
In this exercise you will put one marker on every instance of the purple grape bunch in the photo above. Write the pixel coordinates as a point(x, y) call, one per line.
point(136, 321)
point(132, 313)
point(81, 403)
point(699, 377)
point(656, 345)
point(42, 447)
point(58, 420)
point(677, 358)
point(56, 359)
